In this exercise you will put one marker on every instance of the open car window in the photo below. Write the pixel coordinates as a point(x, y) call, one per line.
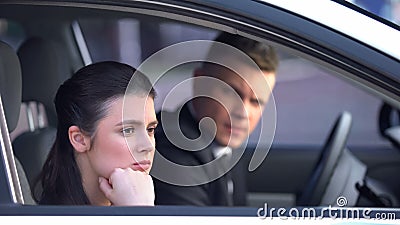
point(295, 158)
point(388, 10)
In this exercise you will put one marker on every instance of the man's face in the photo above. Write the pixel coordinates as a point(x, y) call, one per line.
point(235, 103)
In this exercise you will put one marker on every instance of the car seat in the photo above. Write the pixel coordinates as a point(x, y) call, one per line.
point(10, 91)
point(44, 68)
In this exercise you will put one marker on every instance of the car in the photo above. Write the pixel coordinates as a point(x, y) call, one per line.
point(328, 142)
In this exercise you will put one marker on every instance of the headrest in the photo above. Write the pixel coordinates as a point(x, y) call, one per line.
point(44, 68)
point(10, 84)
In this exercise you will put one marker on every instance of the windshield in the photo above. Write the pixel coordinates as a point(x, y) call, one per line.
point(385, 9)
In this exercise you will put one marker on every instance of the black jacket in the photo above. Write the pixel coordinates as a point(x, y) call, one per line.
point(212, 193)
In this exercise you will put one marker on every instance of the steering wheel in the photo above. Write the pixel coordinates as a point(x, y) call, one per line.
point(328, 159)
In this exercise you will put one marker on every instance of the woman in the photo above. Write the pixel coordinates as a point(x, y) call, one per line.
point(105, 143)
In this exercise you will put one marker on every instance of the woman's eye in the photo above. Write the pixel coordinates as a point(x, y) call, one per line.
point(128, 131)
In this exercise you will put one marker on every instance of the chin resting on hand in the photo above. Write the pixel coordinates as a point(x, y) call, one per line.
point(127, 187)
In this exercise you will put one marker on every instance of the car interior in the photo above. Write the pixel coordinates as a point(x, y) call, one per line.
point(328, 141)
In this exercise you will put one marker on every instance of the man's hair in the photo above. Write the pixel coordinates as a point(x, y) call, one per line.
point(262, 54)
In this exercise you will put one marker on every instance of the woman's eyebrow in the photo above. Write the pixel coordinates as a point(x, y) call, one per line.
point(132, 122)
point(135, 122)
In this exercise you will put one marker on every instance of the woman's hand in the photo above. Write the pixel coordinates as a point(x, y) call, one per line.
point(128, 187)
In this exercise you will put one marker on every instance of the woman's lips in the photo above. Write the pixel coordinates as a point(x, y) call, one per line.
point(141, 165)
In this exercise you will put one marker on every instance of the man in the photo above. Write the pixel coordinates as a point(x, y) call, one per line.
point(229, 97)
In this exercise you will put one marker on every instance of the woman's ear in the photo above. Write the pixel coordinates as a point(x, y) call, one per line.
point(79, 140)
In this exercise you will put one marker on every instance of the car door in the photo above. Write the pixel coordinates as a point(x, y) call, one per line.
point(323, 72)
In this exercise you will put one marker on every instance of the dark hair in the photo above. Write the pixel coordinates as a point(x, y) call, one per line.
point(82, 101)
point(262, 54)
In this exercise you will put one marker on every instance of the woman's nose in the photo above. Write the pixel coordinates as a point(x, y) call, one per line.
point(145, 143)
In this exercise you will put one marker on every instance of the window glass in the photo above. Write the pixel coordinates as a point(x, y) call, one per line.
point(308, 100)
point(131, 40)
point(308, 97)
point(11, 32)
point(104, 38)
point(387, 9)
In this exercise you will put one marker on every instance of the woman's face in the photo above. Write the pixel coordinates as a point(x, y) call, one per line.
point(125, 136)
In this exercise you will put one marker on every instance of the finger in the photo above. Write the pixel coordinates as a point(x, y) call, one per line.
point(116, 173)
point(105, 187)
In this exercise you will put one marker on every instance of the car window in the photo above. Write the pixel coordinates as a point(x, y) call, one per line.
point(11, 32)
point(140, 37)
point(305, 94)
point(308, 96)
point(318, 79)
point(387, 9)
